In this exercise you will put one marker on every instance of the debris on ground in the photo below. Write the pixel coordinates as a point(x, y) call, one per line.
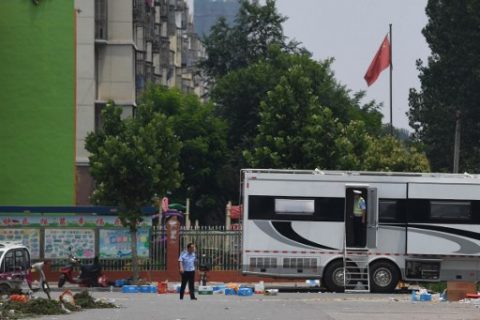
point(67, 297)
point(86, 301)
point(40, 306)
point(20, 308)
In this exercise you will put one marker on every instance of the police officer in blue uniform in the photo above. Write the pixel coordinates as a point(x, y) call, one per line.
point(359, 215)
point(187, 261)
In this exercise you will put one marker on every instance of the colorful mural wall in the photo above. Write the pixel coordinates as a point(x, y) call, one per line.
point(115, 243)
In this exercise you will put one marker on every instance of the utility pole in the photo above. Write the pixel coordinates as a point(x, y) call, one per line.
point(456, 147)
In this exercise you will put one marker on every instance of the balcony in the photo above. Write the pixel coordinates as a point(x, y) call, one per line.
point(149, 73)
point(156, 38)
point(163, 7)
point(140, 67)
point(165, 52)
point(149, 27)
point(180, 5)
point(139, 11)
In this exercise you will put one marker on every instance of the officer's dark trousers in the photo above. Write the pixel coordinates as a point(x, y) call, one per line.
point(359, 232)
point(188, 276)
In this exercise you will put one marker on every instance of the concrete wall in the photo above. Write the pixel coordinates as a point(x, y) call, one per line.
point(116, 59)
point(116, 73)
point(85, 76)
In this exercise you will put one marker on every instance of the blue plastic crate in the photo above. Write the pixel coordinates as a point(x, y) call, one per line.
point(219, 287)
point(230, 292)
point(130, 289)
point(245, 292)
point(145, 289)
point(119, 283)
point(425, 297)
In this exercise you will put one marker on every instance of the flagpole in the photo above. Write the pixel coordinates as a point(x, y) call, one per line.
point(391, 69)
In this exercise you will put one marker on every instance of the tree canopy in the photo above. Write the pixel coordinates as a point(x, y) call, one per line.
point(239, 94)
point(296, 132)
point(449, 85)
point(203, 153)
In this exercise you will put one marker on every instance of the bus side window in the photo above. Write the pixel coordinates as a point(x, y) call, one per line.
point(391, 210)
point(476, 212)
point(450, 210)
point(387, 210)
point(418, 210)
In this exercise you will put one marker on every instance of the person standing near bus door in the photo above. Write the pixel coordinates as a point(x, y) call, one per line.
point(359, 213)
point(187, 261)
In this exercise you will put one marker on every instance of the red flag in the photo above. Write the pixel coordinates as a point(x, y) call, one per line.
point(379, 63)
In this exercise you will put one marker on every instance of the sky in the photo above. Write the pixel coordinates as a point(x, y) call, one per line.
point(351, 32)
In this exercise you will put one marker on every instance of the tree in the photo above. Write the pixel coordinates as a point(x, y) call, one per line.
point(238, 95)
point(296, 132)
point(256, 28)
point(449, 85)
point(203, 153)
point(132, 160)
point(389, 154)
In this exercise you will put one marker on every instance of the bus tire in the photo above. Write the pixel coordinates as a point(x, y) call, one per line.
point(333, 276)
point(384, 276)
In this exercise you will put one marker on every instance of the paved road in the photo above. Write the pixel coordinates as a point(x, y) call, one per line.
point(285, 306)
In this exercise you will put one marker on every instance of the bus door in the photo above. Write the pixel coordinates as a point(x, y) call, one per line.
point(361, 216)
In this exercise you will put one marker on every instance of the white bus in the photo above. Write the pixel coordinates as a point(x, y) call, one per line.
point(417, 227)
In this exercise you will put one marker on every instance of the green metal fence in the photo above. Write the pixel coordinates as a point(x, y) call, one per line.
point(220, 249)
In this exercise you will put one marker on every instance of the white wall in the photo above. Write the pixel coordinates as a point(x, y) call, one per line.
point(85, 75)
point(116, 78)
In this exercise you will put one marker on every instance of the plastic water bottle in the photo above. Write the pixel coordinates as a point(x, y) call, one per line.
point(111, 288)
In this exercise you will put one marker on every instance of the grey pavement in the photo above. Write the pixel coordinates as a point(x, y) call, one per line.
point(298, 306)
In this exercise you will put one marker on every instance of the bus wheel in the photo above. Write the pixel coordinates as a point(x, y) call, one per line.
point(384, 276)
point(333, 277)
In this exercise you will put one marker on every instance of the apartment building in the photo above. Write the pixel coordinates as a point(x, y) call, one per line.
point(134, 43)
